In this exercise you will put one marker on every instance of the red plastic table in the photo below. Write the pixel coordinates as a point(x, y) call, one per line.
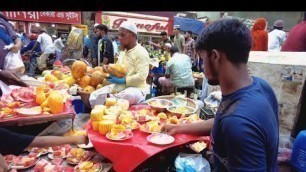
point(128, 154)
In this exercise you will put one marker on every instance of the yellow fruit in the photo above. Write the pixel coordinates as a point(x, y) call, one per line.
point(84, 81)
point(55, 102)
point(40, 95)
point(96, 78)
point(86, 165)
point(78, 69)
point(46, 109)
point(95, 125)
point(99, 86)
point(69, 80)
point(117, 70)
point(105, 126)
point(90, 70)
point(97, 113)
point(58, 74)
point(162, 115)
point(64, 76)
point(99, 68)
point(50, 78)
point(110, 118)
point(44, 104)
point(89, 89)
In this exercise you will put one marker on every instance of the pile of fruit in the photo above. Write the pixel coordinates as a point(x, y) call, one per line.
point(29, 101)
point(111, 119)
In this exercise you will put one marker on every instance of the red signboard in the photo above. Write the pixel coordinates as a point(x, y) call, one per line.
point(65, 17)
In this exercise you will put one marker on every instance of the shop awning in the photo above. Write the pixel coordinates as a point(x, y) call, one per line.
point(186, 24)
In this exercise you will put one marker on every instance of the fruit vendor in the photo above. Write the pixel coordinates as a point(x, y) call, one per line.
point(14, 143)
point(135, 59)
point(245, 130)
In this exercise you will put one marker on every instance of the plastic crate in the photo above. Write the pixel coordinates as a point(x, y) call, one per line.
point(206, 113)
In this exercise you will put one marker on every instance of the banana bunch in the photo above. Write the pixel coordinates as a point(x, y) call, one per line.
point(75, 38)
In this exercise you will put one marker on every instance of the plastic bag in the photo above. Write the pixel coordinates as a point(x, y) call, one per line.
point(213, 100)
point(13, 61)
point(284, 148)
point(191, 163)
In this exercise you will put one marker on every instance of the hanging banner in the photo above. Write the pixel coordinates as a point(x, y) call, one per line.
point(65, 17)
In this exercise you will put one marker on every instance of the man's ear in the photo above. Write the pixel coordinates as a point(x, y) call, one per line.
point(215, 56)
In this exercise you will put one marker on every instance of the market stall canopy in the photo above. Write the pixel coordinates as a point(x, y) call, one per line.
point(189, 24)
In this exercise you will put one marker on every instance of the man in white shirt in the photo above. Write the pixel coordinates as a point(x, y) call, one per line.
point(58, 45)
point(277, 36)
point(47, 48)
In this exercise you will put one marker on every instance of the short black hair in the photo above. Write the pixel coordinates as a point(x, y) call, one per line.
point(163, 33)
point(102, 27)
point(230, 36)
point(174, 49)
point(172, 36)
point(190, 32)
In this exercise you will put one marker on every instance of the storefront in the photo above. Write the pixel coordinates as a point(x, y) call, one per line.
point(56, 22)
point(149, 27)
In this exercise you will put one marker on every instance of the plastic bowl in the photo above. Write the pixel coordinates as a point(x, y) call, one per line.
point(165, 103)
point(171, 109)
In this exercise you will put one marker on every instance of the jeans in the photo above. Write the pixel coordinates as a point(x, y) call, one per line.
point(32, 65)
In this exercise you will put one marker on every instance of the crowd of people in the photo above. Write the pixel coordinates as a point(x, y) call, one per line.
point(277, 39)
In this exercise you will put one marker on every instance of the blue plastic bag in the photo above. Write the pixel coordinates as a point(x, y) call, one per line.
point(191, 163)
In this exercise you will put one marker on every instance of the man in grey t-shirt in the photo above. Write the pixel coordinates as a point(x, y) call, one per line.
point(179, 40)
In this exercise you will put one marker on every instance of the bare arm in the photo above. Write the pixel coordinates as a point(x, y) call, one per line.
point(49, 141)
point(202, 128)
point(17, 46)
point(105, 61)
point(3, 164)
point(155, 45)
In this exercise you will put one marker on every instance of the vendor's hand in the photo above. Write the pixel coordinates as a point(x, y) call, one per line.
point(116, 80)
point(83, 139)
point(10, 78)
point(171, 129)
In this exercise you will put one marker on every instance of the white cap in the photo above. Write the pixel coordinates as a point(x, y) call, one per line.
point(96, 24)
point(53, 36)
point(168, 45)
point(129, 26)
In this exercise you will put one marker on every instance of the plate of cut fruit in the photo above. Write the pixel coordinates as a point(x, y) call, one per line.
point(88, 166)
point(160, 139)
point(44, 166)
point(151, 127)
point(38, 151)
point(76, 155)
point(84, 146)
point(24, 162)
point(119, 132)
point(59, 151)
point(129, 123)
point(142, 115)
